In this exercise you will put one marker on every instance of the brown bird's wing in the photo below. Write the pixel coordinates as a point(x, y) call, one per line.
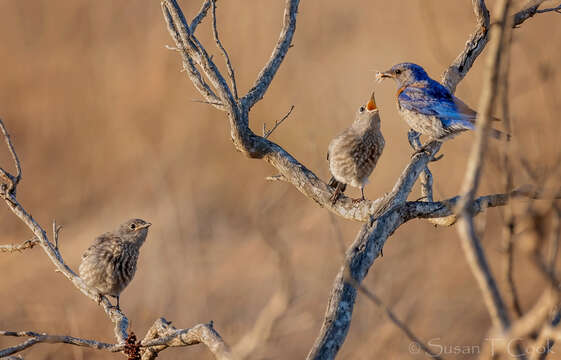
point(104, 244)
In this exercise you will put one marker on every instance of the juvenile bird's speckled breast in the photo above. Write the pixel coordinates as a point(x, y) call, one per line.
point(353, 156)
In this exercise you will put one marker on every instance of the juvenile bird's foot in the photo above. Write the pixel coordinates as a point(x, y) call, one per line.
point(335, 197)
point(339, 189)
point(414, 139)
point(362, 198)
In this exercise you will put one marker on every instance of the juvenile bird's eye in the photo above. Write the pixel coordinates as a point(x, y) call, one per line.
point(361, 109)
point(397, 72)
point(132, 226)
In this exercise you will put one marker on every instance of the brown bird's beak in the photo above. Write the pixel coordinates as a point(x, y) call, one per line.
point(372, 103)
point(144, 226)
point(380, 76)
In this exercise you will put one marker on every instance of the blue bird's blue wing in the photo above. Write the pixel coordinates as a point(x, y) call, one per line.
point(435, 100)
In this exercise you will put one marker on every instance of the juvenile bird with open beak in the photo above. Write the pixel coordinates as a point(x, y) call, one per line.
point(353, 154)
point(428, 107)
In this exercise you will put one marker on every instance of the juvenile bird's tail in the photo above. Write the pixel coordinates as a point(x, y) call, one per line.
point(499, 135)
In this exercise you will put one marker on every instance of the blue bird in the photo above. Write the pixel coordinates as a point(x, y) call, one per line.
point(427, 106)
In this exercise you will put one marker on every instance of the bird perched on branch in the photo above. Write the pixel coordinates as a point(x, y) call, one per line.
point(428, 107)
point(109, 264)
point(354, 153)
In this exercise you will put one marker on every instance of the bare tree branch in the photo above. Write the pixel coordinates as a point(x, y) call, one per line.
point(267, 133)
point(13, 180)
point(200, 16)
point(266, 75)
point(474, 46)
point(27, 244)
point(37, 338)
point(400, 324)
point(162, 335)
point(473, 250)
point(224, 52)
point(531, 9)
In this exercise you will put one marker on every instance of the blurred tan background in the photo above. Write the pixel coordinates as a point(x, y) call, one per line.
point(106, 129)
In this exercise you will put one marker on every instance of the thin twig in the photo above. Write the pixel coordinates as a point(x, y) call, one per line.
point(266, 75)
point(163, 335)
point(531, 9)
point(200, 16)
point(27, 244)
point(224, 52)
point(14, 179)
point(394, 319)
point(556, 9)
point(207, 102)
point(267, 133)
point(56, 230)
point(37, 338)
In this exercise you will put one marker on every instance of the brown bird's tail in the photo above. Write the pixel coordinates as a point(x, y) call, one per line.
point(339, 189)
point(499, 135)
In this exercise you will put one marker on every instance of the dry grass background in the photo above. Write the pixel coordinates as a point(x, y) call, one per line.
point(106, 130)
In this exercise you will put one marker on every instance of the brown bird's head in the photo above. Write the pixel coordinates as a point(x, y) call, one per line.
point(368, 113)
point(134, 230)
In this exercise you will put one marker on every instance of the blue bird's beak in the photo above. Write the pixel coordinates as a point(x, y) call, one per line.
point(380, 76)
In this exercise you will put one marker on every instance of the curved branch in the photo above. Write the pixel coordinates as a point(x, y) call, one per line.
point(471, 244)
point(223, 51)
point(37, 338)
point(27, 244)
point(474, 46)
point(200, 16)
point(189, 64)
point(162, 335)
point(531, 10)
point(268, 73)
point(14, 180)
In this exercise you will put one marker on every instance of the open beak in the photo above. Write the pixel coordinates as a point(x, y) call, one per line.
point(371, 103)
point(380, 76)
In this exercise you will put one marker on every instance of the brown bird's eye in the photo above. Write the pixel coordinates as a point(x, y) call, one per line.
point(361, 109)
point(133, 226)
point(397, 72)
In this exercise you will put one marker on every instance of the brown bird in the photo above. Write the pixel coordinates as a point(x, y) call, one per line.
point(354, 153)
point(109, 264)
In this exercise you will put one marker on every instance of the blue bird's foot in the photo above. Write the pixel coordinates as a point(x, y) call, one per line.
point(422, 149)
point(414, 139)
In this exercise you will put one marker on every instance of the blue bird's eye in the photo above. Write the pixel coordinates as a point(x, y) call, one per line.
point(132, 226)
point(397, 72)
